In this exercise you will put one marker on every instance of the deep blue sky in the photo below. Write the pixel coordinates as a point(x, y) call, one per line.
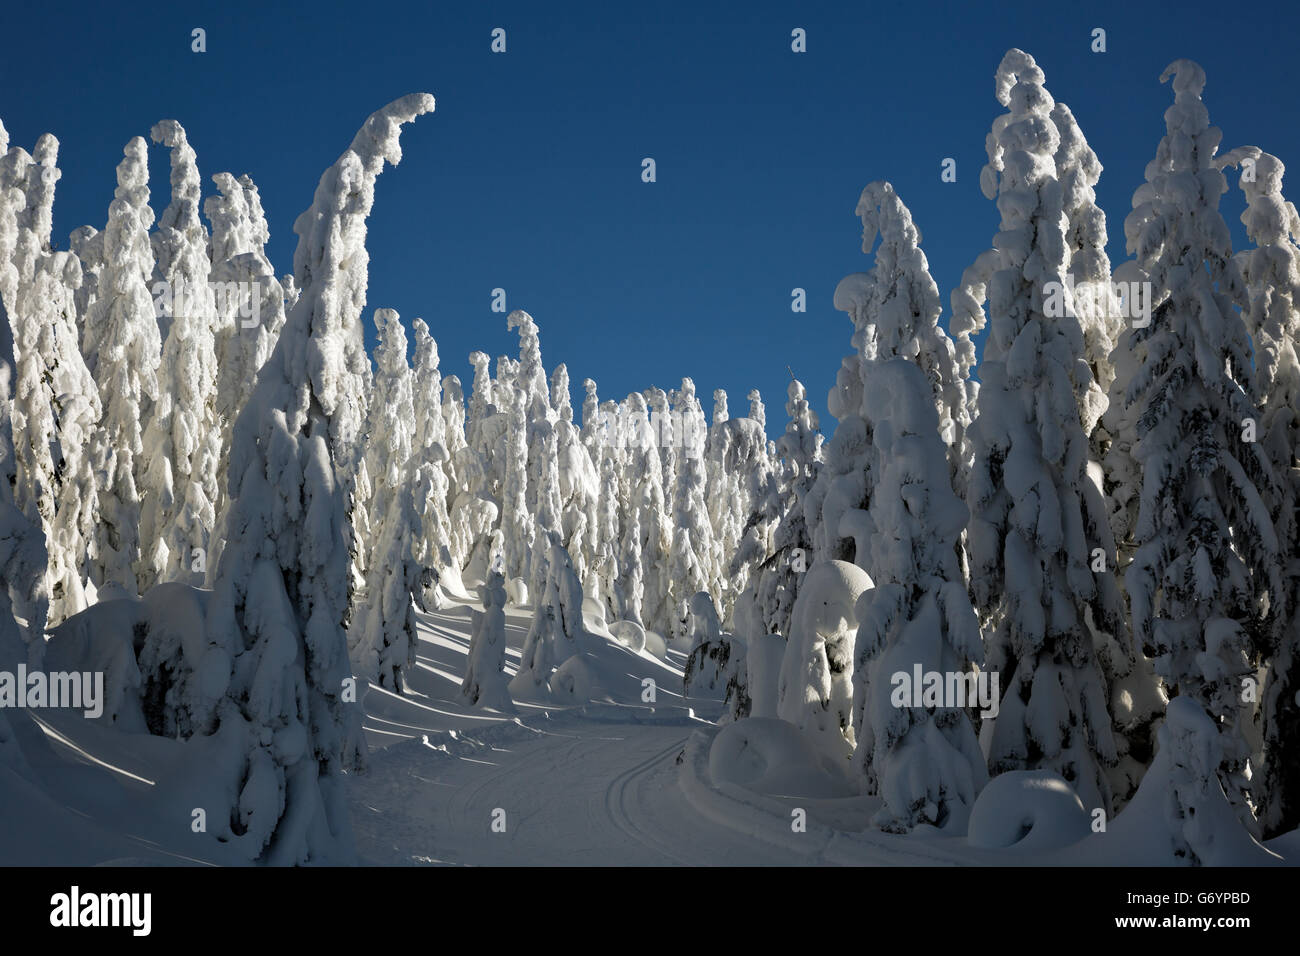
point(528, 175)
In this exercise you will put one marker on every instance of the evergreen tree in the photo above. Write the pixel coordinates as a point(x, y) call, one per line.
point(277, 615)
point(1205, 558)
point(1041, 556)
point(183, 439)
point(122, 349)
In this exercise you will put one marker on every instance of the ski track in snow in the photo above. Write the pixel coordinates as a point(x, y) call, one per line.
point(596, 785)
point(603, 784)
point(575, 789)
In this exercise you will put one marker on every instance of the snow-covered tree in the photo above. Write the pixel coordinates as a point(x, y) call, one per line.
point(895, 311)
point(1087, 265)
point(278, 609)
point(183, 439)
point(23, 556)
point(1205, 559)
point(607, 585)
point(1272, 274)
point(517, 523)
point(684, 574)
point(1198, 814)
point(251, 304)
point(432, 462)
point(777, 539)
point(968, 320)
point(122, 348)
point(706, 664)
point(544, 508)
point(531, 375)
point(33, 321)
point(1136, 700)
point(694, 555)
point(924, 761)
point(579, 483)
point(386, 639)
point(426, 387)
point(55, 401)
point(485, 682)
point(557, 623)
point(647, 562)
point(453, 416)
point(757, 410)
point(87, 244)
point(895, 308)
point(740, 473)
point(1042, 561)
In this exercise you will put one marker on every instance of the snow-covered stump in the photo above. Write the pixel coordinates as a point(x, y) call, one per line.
point(816, 682)
point(1030, 811)
point(485, 683)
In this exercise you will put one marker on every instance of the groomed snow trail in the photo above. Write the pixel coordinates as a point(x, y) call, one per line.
point(595, 785)
point(586, 786)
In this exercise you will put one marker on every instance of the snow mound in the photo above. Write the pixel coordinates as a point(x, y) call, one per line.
point(656, 645)
point(1180, 814)
point(1028, 810)
point(775, 757)
point(631, 635)
point(606, 671)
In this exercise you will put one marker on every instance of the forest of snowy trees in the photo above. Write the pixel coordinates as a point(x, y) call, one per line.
point(1081, 487)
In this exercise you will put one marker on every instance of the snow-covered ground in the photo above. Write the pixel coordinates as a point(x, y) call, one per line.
point(605, 783)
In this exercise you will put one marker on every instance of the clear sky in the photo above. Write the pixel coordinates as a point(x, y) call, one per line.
point(528, 175)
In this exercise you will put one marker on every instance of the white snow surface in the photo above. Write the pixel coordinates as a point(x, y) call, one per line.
point(619, 782)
